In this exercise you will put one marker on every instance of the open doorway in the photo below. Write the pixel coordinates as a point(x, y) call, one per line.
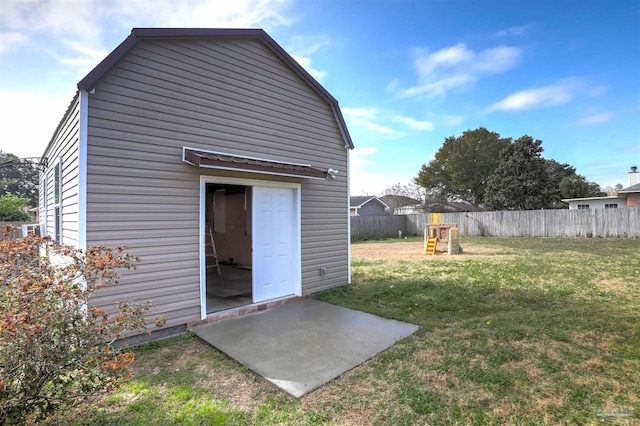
point(228, 246)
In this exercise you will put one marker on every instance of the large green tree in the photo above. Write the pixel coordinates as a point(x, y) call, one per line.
point(462, 166)
point(577, 186)
point(521, 180)
point(18, 177)
point(556, 172)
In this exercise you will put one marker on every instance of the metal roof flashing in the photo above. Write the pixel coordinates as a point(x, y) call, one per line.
point(224, 161)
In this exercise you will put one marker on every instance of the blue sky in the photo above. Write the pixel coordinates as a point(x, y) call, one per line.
point(407, 73)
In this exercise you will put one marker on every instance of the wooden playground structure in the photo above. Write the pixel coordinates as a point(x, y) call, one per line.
point(445, 233)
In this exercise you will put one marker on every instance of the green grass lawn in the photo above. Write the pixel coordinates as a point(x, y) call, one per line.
point(532, 331)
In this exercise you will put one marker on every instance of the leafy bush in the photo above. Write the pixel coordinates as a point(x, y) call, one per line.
point(11, 209)
point(54, 346)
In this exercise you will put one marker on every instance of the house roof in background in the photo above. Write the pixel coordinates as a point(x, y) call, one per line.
point(451, 206)
point(630, 189)
point(139, 34)
point(359, 201)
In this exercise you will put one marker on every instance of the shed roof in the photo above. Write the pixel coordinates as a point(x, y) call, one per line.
point(139, 34)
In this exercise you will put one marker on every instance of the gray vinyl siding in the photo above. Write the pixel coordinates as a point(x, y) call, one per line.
point(233, 96)
point(372, 208)
point(64, 145)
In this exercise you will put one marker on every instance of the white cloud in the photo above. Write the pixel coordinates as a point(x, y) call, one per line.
point(42, 21)
point(451, 120)
point(363, 182)
point(450, 57)
point(367, 174)
point(439, 87)
point(414, 124)
point(306, 45)
point(368, 118)
point(392, 87)
point(456, 67)
point(83, 23)
point(559, 93)
point(496, 60)
point(515, 31)
point(302, 47)
point(11, 41)
point(202, 13)
point(18, 113)
point(364, 117)
point(359, 154)
point(375, 127)
point(596, 119)
point(88, 57)
point(360, 112)
point(306, 64)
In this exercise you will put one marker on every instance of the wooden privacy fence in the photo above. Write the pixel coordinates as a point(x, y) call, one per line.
point(587, 223)
point(377, 227)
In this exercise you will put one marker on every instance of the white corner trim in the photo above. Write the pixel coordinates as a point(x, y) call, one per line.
point(82, 170)
point(184, 155)
point(349, 215)
point(298, 236)
point(203, 257)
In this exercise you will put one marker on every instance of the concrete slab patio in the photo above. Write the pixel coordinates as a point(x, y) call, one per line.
point(302, 345)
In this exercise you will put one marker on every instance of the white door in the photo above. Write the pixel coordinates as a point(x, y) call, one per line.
point(274, 243)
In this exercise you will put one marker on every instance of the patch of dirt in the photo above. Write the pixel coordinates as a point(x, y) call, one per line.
point(368, 400)
point(222, 376)
point(618, 286)
point(414, 251)
point(605, 342)
point(534, 373)
point(230, 384)
point(430, 356)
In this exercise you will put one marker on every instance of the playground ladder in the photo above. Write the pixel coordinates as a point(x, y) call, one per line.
point(432, 243)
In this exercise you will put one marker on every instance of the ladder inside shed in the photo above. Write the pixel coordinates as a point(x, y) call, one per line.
point(214, 252)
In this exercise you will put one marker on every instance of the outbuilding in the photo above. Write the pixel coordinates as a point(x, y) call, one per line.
point(217, 159)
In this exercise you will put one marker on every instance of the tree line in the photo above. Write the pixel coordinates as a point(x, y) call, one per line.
point(494, 173)
point(18, 187)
